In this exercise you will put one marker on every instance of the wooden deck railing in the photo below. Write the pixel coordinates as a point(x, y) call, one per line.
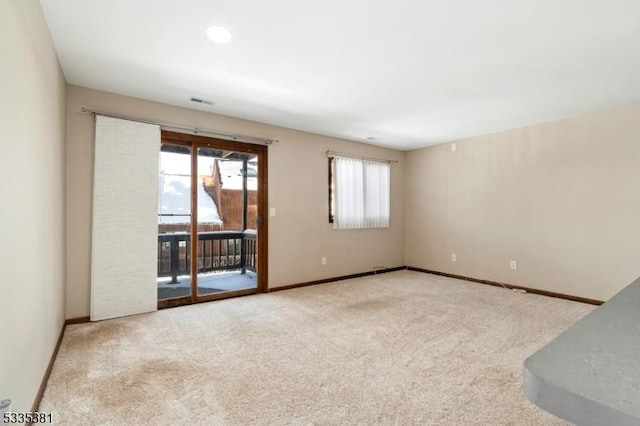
point(217, 251)
point(249, 249)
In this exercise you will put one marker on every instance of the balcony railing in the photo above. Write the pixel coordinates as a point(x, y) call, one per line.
point(217, 251)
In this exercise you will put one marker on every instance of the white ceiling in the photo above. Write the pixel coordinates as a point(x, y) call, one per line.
point(408, 73)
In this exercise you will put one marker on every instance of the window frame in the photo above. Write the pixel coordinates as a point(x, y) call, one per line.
point(331, 190)
point(331, 187)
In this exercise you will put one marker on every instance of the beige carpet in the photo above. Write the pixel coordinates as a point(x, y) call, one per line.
point(398, 348)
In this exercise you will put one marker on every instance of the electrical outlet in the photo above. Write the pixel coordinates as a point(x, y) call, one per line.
point(514, 264)
point(454, 257)
point(454, 146)
point(324, 260)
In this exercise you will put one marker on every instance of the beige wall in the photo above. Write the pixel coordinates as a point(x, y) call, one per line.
point(32, 99)
point(299, 234)
point(560, 198)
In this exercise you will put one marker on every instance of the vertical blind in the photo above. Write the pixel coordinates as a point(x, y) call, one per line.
point(125, 227)
point(362, 193)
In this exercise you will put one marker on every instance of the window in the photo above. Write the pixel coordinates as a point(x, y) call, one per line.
point(359, 193)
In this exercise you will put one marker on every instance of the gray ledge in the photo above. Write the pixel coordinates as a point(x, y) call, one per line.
point(590, 374)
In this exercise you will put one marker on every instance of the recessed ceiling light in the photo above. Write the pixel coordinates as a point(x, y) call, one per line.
point(219, 35)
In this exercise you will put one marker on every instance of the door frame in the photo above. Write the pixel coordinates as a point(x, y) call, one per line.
point(198, 141)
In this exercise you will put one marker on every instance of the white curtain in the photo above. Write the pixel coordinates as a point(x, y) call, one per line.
point(362, 194)
point(125, 225)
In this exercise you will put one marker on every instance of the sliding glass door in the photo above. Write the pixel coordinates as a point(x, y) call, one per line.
point(210, 219)
point(227, 221)
point(174, 223)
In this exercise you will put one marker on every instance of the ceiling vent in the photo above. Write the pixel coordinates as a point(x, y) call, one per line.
point(201, 101)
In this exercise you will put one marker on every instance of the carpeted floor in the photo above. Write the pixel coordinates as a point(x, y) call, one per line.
point(398, 348)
